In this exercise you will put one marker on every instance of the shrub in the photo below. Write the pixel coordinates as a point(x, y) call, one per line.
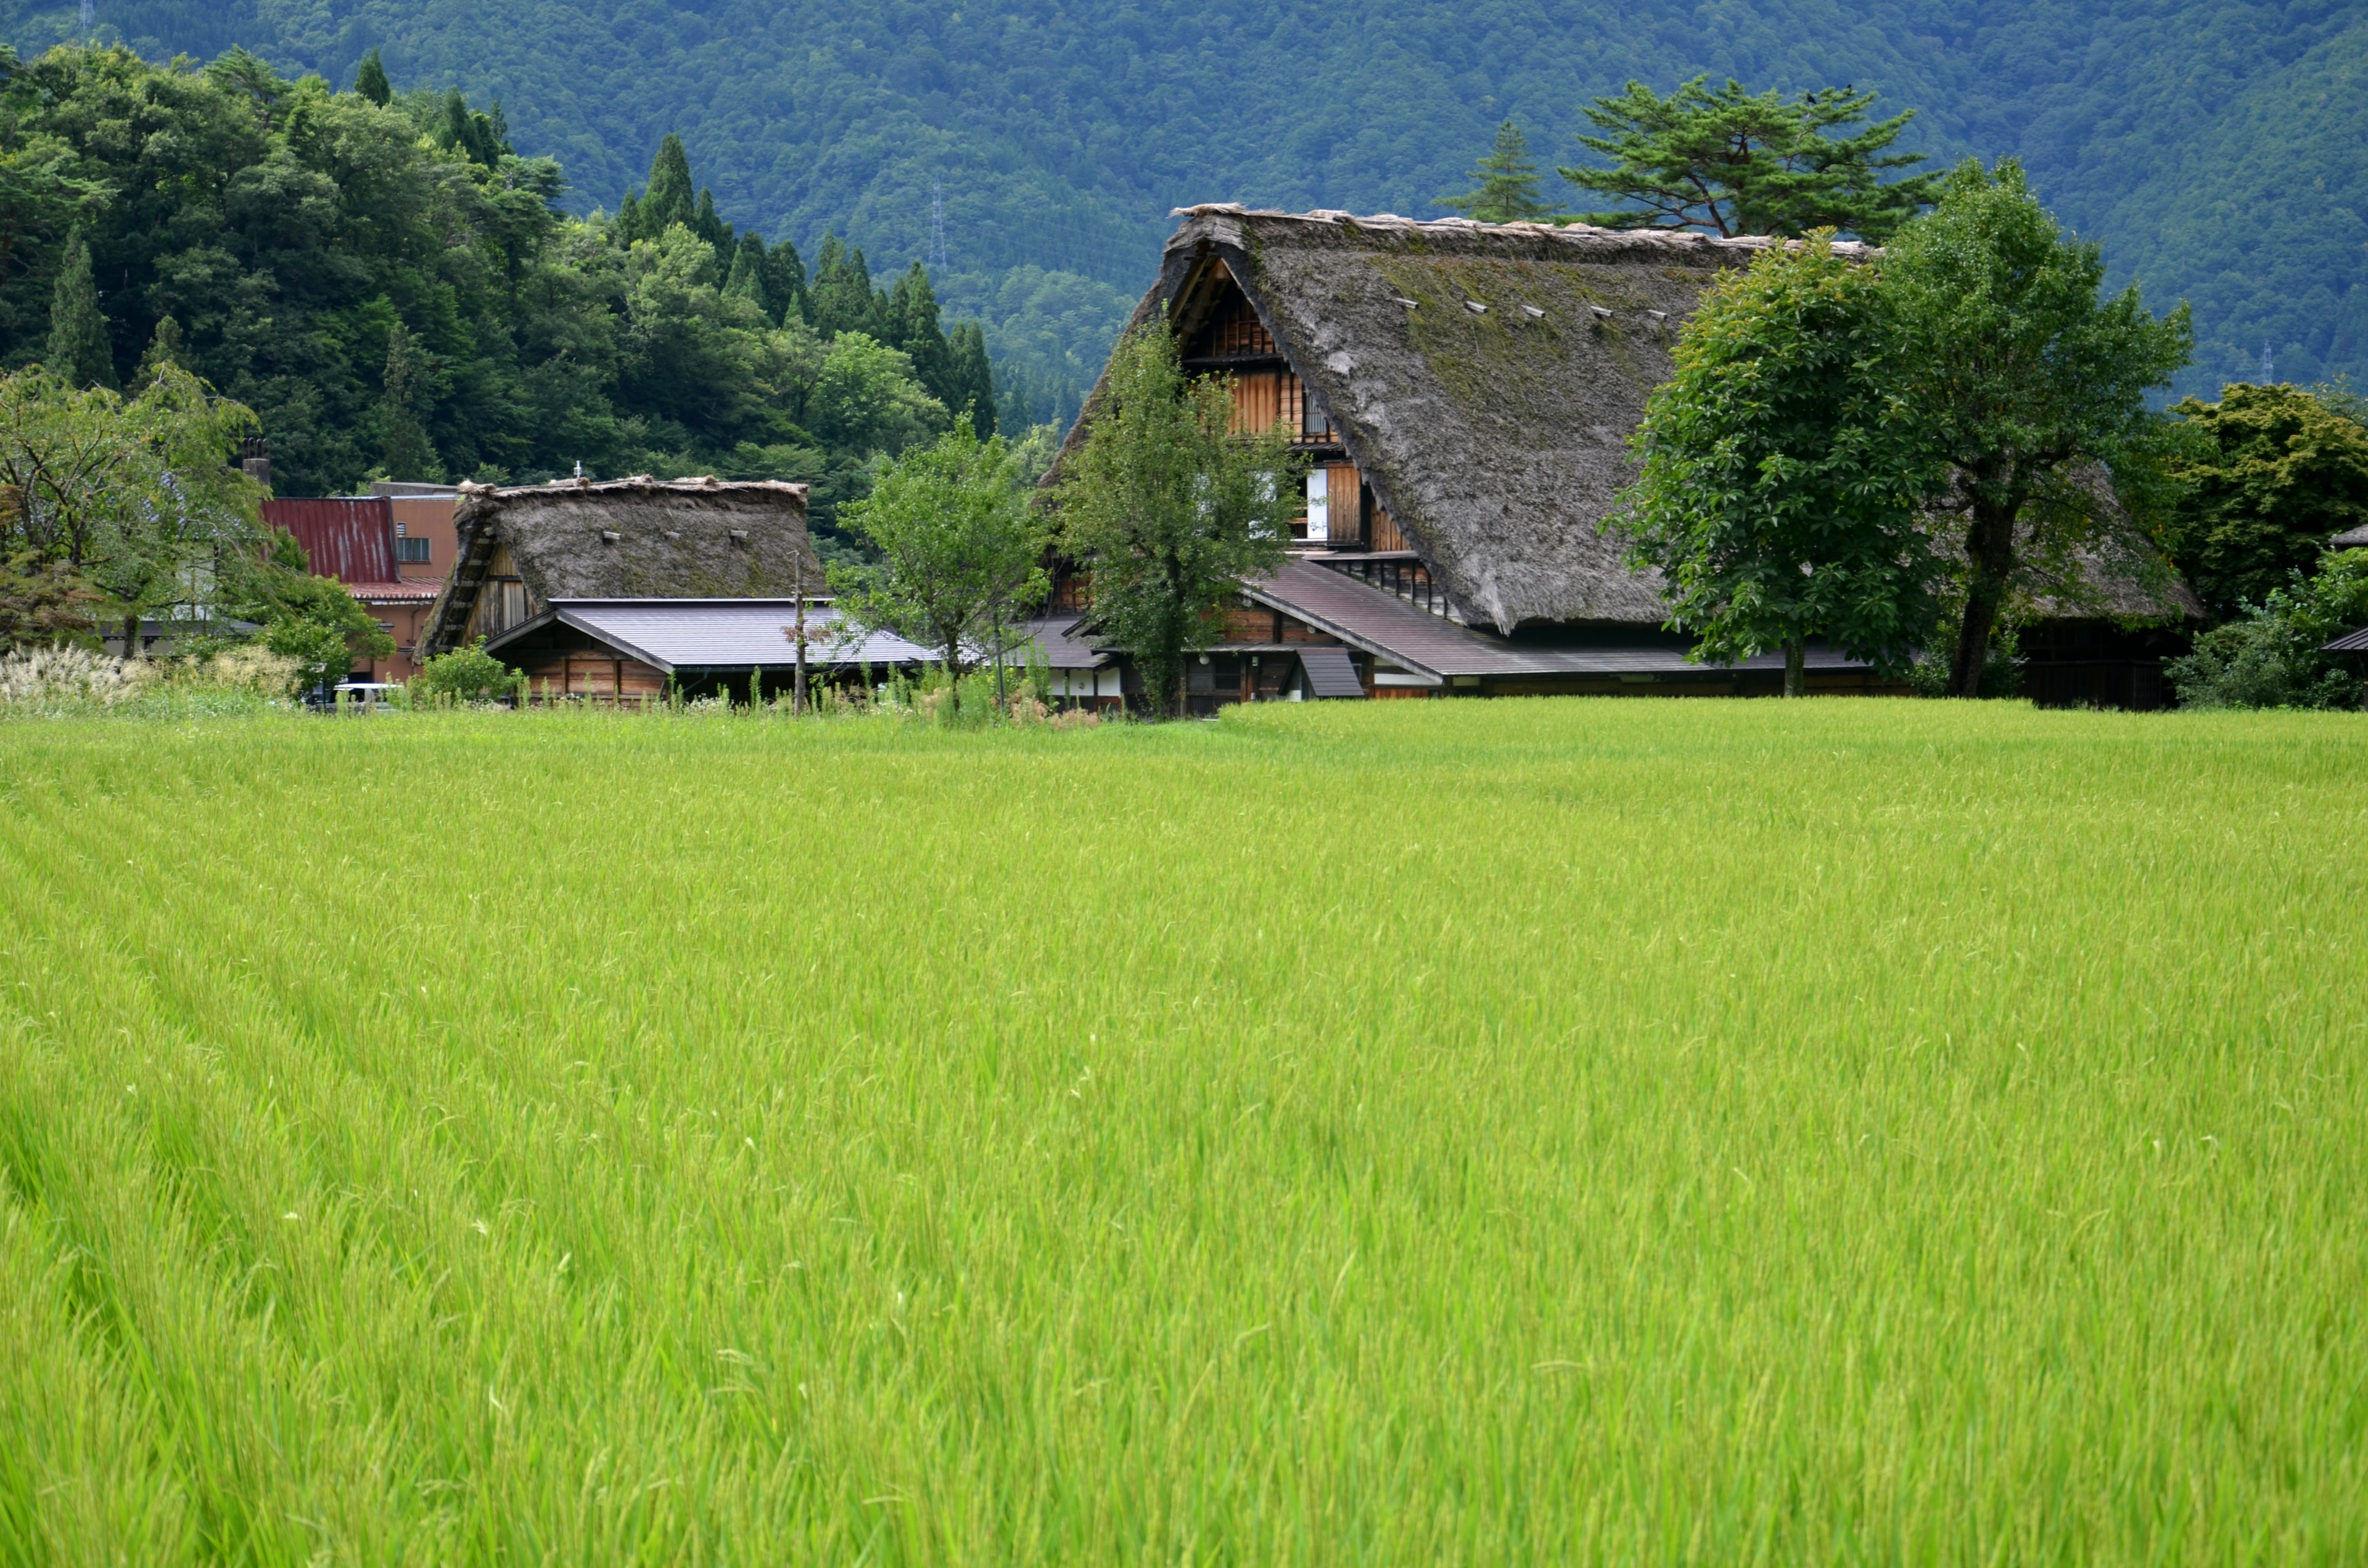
point(2271, 658)
point(318, 649)
point(465, 674)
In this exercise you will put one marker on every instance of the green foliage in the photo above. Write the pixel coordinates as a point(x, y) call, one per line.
point(394, 289)
point(465, 674)
point(2270, 658)
point(1505, 183)
point(45, 604)
point(1167, 513)
point(1785, 471)
point(369, 79)
point(2033, 387)
point(1048, 332)
point(961, 551)
point(311, 619)
point(403, 446)
point(2280, 472)
point(2212, 145)
point(134, 496)
point(77, 349)
point(319, 650)
point(1738, 163)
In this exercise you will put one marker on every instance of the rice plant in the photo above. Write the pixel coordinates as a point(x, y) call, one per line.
point(1578, 1130)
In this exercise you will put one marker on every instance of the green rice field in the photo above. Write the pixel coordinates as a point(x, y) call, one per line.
point(1559, 1131)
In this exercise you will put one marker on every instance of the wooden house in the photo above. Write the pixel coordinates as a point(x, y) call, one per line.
point(520, 550)
point(639, 650)
point(1462, 394)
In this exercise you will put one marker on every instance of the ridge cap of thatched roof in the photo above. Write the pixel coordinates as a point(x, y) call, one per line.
point(1643, 240)
point(632, 484)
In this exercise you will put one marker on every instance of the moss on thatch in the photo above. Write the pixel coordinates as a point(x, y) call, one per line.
point(639, 538)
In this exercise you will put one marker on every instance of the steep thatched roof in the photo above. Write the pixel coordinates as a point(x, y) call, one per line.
point(639, 538)
point(1497, 437)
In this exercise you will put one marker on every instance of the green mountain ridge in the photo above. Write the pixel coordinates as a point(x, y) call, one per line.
point(2214, 146)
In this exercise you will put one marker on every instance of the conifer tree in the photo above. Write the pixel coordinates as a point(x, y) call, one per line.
point(913, 326)
point(402, 429)
point(842, 298)
point(78, 351)
point(371, 80)
point(1506, 184)
point(746, 277)
point(668, 201)
point(785, 282)
point(970, 381)
point(166, 348)
point(1738, 162)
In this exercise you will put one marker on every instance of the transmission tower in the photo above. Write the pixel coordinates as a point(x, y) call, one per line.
point(89, 15)
point(936, 221)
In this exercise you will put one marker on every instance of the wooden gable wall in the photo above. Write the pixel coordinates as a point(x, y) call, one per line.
point(1233, 341)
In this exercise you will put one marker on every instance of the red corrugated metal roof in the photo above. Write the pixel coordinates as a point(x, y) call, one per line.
point(350, 538)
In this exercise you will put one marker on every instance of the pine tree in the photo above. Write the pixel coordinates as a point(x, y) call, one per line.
point(1507, 187)
point(371, 80)
point(403, 435)
point(668, 201)
point(78, 351)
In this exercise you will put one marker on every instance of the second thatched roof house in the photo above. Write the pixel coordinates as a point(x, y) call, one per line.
point(1464, 393)
point(522, 549)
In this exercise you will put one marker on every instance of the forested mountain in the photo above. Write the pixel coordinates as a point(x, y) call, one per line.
point(385, 281)
point(2214, 146)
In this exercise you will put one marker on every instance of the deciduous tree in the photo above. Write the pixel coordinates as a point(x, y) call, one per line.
point(2278, 471)
point(1785, 471)
point(962, 550)
point(1167, 513)
point(2029, 383)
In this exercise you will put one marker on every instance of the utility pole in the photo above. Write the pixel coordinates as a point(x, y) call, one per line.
point(797, 691)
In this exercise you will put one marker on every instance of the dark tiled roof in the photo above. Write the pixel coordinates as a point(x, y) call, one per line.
point(2350, 642)
point(1065, 648)
point(1389, 628)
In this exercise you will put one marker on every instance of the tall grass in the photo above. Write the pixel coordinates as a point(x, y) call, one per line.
point(1630, 1132)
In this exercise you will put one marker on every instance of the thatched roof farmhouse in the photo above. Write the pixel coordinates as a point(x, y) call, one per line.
point(1465, 393)
point(522, 548)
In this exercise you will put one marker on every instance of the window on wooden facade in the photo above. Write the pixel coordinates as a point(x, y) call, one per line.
point(1315, 422)
point(411, 551)
point(1319, 505)
point(504, 604)
point(1240, 331)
